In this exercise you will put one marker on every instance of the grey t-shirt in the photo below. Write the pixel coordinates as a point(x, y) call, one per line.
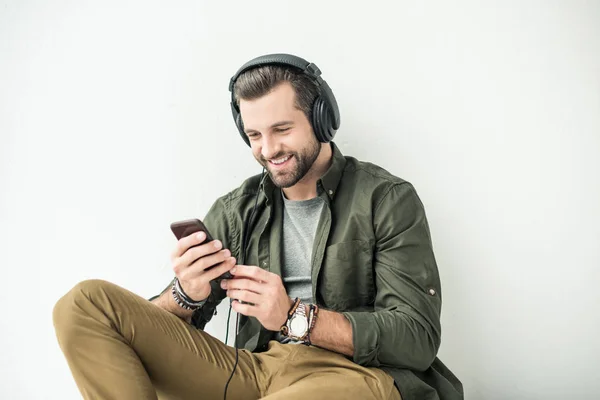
point(300, 220)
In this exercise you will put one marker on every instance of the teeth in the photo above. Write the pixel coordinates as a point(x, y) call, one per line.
point(281, 160)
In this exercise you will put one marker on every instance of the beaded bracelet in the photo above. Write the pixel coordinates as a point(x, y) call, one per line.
point(182, 299)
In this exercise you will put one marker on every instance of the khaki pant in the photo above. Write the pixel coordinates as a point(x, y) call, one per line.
point(121, 346)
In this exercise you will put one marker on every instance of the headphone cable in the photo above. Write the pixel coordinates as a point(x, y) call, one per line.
point(237, 316)
point(243, 252)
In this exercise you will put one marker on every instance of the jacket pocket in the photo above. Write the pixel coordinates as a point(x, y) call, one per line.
point(347, 276)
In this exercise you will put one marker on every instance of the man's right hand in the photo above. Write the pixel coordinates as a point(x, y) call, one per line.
point(190, 264)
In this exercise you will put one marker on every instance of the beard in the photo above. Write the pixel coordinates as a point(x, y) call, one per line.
point(303, 161)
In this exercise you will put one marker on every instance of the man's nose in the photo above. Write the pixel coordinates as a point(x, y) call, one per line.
point(269, 147)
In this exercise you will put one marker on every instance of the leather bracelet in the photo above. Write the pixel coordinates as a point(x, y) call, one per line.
point(185, 297)
point(312, 319)
point(284, 328)
point(182, 299)
point(179, 301)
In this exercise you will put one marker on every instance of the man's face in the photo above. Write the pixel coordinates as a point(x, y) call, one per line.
point(281, 136)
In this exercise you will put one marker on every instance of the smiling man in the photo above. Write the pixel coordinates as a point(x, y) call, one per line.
point(287, 146)
point(334, 275)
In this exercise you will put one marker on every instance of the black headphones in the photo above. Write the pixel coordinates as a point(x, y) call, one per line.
point(325, 113)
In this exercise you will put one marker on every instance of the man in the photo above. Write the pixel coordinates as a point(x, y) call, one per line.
point(333, 275)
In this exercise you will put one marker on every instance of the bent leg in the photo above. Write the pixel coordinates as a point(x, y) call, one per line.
point(319, 374)
point(120, 346)
point(333, 386)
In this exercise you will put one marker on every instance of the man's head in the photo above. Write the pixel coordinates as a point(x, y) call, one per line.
point(275, 104)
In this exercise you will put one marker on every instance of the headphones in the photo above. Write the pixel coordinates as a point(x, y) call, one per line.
point(325, 113)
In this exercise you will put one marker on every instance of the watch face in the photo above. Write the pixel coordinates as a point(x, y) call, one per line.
point(298, 326)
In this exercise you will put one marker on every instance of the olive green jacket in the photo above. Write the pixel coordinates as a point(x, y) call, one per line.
point(372, 261)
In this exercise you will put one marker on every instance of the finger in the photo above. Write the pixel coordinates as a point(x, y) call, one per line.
point(195, 240)
point(202, 250)
point(203, 263)
point(244, 309)
point(245, 296)
point(219, 270)
point(186, 242)
point(243, 284)
point(251, 272)
point(206, 251)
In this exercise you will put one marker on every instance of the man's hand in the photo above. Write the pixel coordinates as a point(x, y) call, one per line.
point(190, 264)
point(264, 290)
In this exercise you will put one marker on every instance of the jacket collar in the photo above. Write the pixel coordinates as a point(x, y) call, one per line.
point(331, 179)
point(328, 182)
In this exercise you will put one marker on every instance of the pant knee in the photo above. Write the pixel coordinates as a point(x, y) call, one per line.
point(68, 307)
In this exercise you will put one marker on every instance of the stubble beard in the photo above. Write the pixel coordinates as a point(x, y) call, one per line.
point(304, 161)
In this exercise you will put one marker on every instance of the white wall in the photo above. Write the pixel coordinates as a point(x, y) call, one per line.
point(114, 121)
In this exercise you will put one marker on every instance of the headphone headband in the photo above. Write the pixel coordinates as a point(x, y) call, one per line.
point(326, 115)
point(274, 59)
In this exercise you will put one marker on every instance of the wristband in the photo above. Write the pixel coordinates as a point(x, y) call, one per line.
point(182, 299)
point(312, 318)
point(284, 329)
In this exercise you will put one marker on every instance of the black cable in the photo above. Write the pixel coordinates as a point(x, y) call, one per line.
point(237, 317)
point(243, 253)
point(228, 318)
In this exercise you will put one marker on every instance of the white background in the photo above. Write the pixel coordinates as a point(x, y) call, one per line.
point(115, 121)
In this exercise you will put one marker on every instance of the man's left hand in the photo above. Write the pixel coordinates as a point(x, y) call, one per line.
point(264, 290)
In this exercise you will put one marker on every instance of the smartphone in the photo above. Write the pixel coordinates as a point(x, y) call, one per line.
point(188, 227)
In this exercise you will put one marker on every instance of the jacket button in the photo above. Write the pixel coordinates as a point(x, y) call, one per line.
point(432, 292)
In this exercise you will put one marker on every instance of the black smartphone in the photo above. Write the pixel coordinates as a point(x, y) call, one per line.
point(188, 227)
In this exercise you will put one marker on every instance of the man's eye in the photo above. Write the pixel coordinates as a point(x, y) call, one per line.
point(282, 129)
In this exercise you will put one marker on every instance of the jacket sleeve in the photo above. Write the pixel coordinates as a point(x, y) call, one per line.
point(217, 221)
point(404, 329)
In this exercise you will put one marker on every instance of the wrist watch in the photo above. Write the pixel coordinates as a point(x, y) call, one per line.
point(297, 324)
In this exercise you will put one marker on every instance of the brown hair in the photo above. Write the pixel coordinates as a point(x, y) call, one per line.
point(259, 81)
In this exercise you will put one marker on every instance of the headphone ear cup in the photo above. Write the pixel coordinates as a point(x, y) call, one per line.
point(240, 125)
point(316, 120)
point(321, 119)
